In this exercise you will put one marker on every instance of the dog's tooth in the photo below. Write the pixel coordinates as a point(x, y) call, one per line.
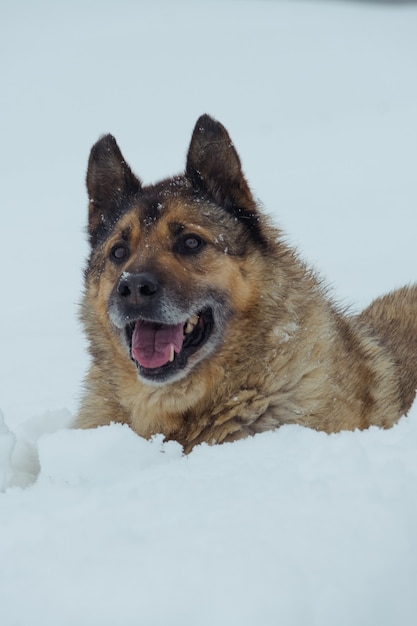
point(171, 354)
point(189, 327)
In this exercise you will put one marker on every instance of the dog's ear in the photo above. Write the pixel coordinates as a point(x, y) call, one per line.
point(110, 183)
point(214, 165)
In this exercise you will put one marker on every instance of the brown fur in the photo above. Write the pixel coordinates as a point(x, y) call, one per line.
point(284, 354)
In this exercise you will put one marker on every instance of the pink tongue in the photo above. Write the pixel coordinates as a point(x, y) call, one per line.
point(151, 343)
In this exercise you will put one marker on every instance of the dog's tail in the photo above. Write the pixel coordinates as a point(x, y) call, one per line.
point(393, 318)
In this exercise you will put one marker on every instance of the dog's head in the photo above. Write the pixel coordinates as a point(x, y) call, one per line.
point(172, 263)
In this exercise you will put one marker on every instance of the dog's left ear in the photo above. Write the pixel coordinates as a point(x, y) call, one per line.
point(110, 183)
point(213, 165)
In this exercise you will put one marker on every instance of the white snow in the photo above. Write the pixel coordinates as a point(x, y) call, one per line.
point(291, 527)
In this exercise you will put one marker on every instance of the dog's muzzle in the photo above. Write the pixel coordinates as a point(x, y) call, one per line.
point(161, 337)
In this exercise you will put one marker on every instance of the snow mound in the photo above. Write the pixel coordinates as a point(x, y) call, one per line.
point(24, 461)
point(292, 527)
point(104, 456)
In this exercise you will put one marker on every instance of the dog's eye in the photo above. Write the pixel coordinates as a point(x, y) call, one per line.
point(190, 244)
point(119, 252)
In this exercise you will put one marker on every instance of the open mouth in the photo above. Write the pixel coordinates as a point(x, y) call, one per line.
point(161, 350)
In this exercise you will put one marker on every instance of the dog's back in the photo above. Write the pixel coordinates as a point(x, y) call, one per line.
point(393, 319)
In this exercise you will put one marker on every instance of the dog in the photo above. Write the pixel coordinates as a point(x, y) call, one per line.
point(205, 326)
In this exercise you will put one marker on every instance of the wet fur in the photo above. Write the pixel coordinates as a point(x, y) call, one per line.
point(285, 353)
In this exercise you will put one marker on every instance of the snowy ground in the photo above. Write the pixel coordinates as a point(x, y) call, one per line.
point(294, 527)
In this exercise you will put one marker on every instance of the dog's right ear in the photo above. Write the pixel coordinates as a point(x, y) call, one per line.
point(110, 182)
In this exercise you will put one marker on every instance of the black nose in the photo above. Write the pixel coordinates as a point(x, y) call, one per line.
point(137, 286)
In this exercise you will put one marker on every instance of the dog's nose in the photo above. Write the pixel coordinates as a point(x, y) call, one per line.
point(134, 286)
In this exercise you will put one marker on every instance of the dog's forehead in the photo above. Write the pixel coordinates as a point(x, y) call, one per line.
point(173, 210)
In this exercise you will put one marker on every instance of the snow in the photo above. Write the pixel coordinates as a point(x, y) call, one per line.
point(291, 527)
